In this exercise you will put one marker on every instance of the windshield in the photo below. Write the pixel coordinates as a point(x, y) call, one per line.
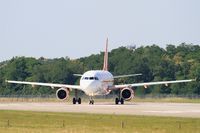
point(90, 78)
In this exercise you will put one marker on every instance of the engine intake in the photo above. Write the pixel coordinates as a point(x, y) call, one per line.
point(127, 94)
point(62, 93)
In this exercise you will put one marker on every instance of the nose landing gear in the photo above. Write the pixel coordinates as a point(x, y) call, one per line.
point(91, 101)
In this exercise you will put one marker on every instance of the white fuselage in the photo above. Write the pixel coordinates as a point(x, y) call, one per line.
point(96, 82)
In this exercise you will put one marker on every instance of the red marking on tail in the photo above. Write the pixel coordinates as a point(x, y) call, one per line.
point(105, 65)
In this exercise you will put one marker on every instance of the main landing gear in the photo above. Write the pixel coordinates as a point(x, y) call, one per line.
point(119, 99)
point(76, 99)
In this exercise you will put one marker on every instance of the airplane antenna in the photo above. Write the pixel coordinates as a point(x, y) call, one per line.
point(105, 65)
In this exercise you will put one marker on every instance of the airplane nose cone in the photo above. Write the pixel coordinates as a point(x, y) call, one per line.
point(91, 85)
point(91, 88)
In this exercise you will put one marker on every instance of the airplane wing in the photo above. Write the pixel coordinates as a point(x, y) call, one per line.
point(152, 83)
point(52, 85)
point(129, 75)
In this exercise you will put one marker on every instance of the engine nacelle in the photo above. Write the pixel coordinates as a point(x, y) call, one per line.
point(62, 93)
point(127, 94)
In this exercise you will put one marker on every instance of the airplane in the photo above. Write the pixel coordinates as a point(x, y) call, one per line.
point(98, 82)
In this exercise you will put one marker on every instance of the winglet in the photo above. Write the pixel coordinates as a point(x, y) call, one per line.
point(105, 65)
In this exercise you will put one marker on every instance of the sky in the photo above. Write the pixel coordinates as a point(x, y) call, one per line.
point(79, 28)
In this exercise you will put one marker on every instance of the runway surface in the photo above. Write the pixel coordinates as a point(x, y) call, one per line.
point(152, 109)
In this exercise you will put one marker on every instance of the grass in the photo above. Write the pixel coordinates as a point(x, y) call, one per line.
point(43, 122)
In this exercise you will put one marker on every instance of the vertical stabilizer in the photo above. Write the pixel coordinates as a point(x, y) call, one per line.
point(105, 65)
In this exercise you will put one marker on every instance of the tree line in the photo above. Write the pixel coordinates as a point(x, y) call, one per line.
point(155, 64)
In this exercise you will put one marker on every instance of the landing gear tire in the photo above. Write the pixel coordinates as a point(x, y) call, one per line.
point(116, 100)
point(79, 100)
point(74, 101)
point(122, 101)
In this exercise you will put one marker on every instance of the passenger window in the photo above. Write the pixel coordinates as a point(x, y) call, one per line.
point(86, 78)
point(96, 78)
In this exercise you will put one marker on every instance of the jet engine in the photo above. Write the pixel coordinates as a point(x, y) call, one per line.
point(62, 93)
point(127, 94)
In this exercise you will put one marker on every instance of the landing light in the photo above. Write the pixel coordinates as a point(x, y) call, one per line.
point(145, 86)
point(52, 87)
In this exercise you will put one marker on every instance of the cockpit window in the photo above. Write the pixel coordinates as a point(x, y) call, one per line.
point(90, 78)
